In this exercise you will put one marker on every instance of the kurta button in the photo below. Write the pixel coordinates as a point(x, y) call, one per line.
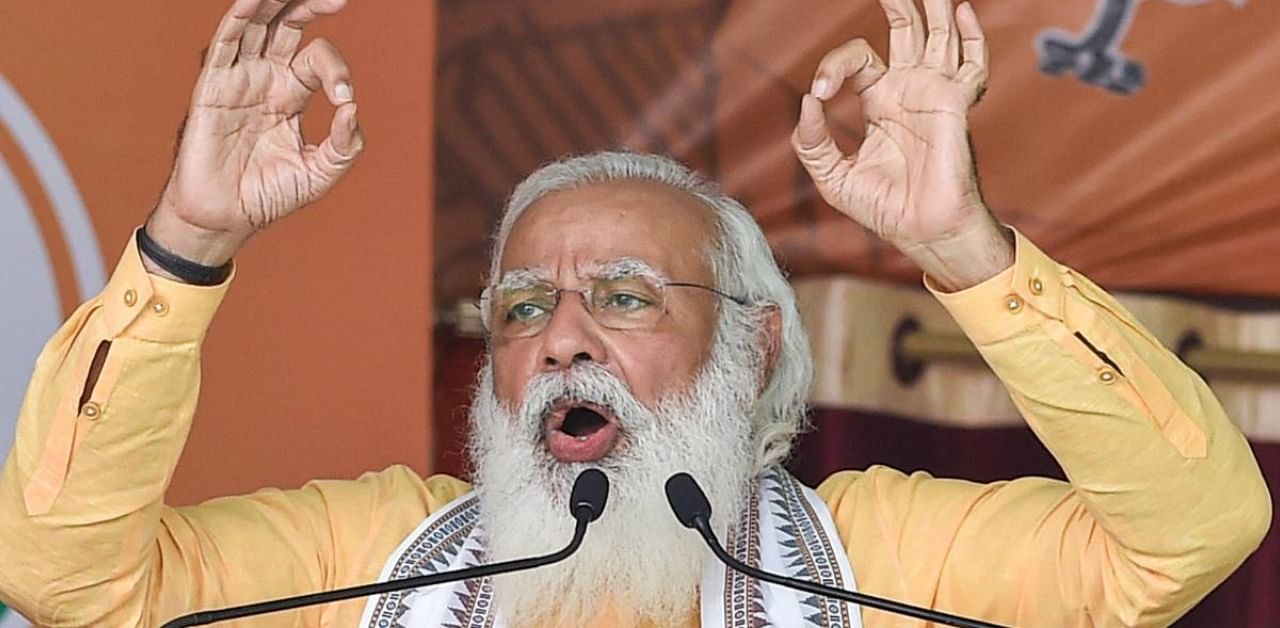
point(1037, 287)
point(130, 297)
point(1013, 303)
point(1107, 376)
point(159, 307)
point(91, 410)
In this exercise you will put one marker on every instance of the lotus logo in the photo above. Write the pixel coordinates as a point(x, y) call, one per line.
point(1094, 56)
point(49, 257)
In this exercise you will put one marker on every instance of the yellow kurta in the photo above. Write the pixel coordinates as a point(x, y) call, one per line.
point(1165, 497)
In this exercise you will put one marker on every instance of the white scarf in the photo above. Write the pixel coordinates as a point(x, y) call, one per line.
point(788, 531)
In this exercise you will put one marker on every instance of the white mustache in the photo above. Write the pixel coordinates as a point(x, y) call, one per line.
point(584, 382)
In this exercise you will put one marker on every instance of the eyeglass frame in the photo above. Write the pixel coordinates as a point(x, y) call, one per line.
point(483, 303)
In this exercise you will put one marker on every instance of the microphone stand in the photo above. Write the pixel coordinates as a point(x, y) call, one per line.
point(704, 527)
point(377, 588)
point(692, 509)
point(587, 501)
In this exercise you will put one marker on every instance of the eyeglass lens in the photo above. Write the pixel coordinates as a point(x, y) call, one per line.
point(631, 302)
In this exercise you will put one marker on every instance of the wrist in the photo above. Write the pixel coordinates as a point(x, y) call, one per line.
point(206, 247)
point(166, 264)
point(967, 257)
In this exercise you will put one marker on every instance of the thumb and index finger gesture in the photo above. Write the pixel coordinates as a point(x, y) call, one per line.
point(912, 179)
point(242, 162)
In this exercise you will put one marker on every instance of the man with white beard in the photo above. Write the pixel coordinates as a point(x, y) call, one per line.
point(637, 324)
point(705, 431)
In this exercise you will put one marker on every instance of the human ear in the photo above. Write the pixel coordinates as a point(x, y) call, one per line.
point(771, 336)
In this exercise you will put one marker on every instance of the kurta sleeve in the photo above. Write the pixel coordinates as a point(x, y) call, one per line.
point(1164, 500)
point(85, 538)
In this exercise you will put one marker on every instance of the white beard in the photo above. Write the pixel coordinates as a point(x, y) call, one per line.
point(636, 557)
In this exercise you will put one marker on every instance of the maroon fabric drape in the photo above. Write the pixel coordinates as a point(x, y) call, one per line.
point(854, 440)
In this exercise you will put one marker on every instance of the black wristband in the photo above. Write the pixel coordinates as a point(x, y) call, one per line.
point(181, 267)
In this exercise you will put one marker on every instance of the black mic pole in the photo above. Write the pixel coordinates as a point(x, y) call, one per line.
point(694, 511)
point(590, 491)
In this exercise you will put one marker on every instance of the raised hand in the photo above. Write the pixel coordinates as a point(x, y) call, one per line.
point(242, 162)
point(912, 181)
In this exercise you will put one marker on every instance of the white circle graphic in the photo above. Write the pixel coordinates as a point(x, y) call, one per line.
point(31, 311)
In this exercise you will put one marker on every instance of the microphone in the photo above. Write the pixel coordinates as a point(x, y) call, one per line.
point(586, 504)
point(692, 509)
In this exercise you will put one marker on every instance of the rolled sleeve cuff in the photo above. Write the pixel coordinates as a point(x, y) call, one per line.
point(1025, 294)
point(137, 304)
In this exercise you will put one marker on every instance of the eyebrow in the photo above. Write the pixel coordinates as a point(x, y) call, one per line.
point(529, 276)
point(518, 278)
point(626, 267)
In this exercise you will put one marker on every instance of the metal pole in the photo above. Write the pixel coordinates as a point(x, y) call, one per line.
point(926, 346)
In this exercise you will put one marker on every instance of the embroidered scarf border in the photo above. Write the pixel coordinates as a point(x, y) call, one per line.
point(784, 528)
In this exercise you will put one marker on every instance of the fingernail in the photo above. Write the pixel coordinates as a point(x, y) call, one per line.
point(342, 91)
point(351, 121)
point(820, 87)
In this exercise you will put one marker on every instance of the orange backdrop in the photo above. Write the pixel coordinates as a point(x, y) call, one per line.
point(318, 364)
point(1139, 141)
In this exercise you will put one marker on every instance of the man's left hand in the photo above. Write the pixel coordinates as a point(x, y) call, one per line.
point(912, 181)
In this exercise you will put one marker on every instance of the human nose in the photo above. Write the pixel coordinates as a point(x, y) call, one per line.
point(572, 335)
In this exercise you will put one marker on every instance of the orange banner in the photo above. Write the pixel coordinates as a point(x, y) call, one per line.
point(1137, 141)
point(319, 363)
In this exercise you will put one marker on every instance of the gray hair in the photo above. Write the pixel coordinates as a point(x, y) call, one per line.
point(740, 259)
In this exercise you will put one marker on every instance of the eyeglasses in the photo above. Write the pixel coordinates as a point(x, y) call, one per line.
point(633, 302)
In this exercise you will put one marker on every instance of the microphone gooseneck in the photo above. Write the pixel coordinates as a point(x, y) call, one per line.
point(692, 509)
point(586, 503)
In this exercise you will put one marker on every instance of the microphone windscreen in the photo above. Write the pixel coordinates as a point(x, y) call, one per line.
point(687, 499)
point(590, 492)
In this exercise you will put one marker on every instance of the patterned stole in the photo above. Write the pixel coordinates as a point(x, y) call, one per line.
point(785, 529)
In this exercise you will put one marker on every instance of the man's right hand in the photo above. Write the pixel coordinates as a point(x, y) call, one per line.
point(242, 163)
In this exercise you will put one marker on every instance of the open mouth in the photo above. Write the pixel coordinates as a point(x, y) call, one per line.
point(580, 432)
point(582, 422)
